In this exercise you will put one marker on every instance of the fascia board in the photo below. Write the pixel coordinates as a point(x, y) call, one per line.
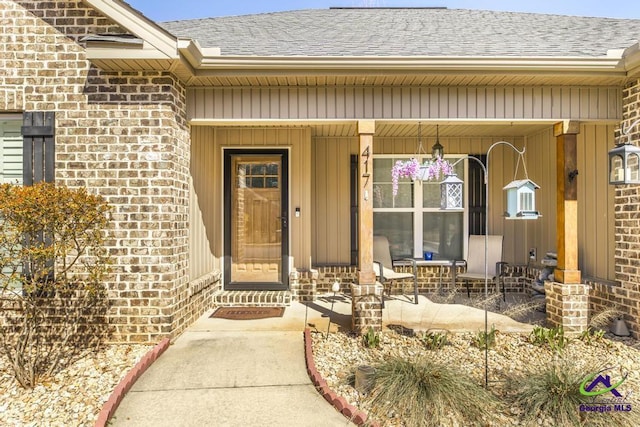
point(193, 53)
point(137, 24)
point(376, 64)
point(632, 60)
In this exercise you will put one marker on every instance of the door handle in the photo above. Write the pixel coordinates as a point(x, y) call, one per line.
point(284, 221)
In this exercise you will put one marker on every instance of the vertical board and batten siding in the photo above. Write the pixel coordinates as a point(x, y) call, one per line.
point(596, 234)
point(595, 197)
point(331, 204)
point(352, 102)
point(541, 165)
point(596, 217)
point(208, 195)
point(203, 233)
point(331, 185)
point(10, 152)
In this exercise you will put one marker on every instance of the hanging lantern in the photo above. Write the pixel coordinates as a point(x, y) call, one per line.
point(451, 193)
point(437, 151)
point(624, 165)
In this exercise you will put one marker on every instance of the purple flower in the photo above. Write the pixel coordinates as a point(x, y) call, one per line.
point(430, 170)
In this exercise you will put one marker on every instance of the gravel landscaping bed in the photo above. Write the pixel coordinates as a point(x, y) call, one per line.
point(74, 396)
point(338, 355)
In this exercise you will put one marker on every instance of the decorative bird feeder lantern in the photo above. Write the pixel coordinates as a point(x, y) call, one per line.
point(521, 199)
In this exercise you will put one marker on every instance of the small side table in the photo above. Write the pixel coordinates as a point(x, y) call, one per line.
point(436, 263)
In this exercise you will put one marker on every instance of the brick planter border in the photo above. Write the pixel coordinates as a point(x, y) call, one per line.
point(340, 403)
point(110, 406)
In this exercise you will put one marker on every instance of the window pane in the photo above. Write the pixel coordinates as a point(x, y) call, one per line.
point(382, 186)
point(443, 234)
point(383, 196)
point(257, 182)
point(272, 182)
point(382, 169)
point(272, 169)
point(398, 228)
point(258, 169)
point(431, 189)
point(431, 194)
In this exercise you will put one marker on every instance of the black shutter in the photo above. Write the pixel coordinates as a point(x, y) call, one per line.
point(38, 132)
point(38, 164)
point(354, 208)
point(477, 196)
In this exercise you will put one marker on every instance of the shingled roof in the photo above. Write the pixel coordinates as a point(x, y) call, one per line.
point(409, 32)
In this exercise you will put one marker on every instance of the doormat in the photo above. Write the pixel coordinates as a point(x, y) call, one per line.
point(247, 313)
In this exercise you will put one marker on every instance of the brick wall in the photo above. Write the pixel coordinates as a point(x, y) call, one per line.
point(567, 305)
point(122, 135)
point(626, 295)
point(430, 279)
point(606, 295)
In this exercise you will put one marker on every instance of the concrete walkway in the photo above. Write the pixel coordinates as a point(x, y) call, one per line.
point(252, 372)
point(228, 378)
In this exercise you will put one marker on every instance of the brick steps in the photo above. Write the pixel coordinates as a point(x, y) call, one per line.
point(252, 298)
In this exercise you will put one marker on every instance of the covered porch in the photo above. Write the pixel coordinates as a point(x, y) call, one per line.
point(331, 225)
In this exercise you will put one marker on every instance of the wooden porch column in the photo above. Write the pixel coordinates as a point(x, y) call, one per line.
point(366, 295)
point(567, 202)
point(366, 276)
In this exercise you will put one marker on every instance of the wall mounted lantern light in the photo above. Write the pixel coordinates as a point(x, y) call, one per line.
point(624, 160)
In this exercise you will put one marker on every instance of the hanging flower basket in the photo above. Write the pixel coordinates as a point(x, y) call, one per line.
point(428, 171)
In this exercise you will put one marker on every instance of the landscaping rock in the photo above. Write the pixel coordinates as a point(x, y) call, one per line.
point(72, 397)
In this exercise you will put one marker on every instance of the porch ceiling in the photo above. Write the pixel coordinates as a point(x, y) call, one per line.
point(404, 129)
point(450, 78)
point(445, 129)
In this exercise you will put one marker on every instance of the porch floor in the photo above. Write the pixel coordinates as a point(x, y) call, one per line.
point(399, 311)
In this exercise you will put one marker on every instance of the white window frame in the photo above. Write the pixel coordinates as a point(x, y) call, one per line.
point(418, 209)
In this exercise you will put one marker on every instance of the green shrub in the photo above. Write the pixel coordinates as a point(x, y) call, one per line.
point(485, 340)
point(425, 393)
point(52, 261)
point(552, 337)
point(590, 336)
point(434, 340)
point(553, 392)
point(371, 339)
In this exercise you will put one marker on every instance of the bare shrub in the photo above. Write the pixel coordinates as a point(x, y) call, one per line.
point(53, 303)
